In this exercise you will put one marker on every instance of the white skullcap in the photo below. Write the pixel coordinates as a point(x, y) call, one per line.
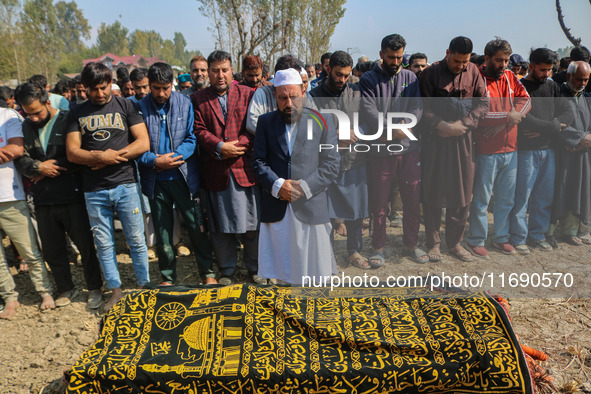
point(303, 72)
point(287, 77)
point(114, 86)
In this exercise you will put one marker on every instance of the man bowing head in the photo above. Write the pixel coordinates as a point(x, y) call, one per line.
point(294, 241)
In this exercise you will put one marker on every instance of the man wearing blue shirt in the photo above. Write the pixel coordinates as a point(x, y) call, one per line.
point(169, 172)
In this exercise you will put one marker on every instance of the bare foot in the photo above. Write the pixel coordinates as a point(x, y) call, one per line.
point(9, 310)
point(435, 254)
point(47, 303)
point(116, 295)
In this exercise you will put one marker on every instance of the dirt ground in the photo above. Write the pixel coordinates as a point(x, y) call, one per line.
point(36, 348)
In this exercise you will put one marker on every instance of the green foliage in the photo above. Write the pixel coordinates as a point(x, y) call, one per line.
point(149, 43)
point(40, 37)
point(113, 39)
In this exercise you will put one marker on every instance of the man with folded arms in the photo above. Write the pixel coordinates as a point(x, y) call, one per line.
point(105, 134)
point(56, 186)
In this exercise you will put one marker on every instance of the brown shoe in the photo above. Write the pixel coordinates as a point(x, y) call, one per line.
point(211, 281)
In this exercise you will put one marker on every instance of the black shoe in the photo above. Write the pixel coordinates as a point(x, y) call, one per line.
point(552, 241)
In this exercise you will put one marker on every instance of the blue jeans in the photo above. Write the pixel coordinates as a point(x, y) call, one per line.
point(101, 206)
point(534, 193)
point(494, 174)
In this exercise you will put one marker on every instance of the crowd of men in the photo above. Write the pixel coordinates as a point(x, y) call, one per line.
point(246, 163)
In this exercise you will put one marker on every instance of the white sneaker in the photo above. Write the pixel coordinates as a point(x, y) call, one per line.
point(522, 249)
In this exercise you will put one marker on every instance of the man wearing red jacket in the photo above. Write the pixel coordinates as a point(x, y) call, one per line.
point(232, 198)
point(496, 147)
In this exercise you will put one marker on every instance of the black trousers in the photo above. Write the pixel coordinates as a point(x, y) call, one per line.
point(54, 222)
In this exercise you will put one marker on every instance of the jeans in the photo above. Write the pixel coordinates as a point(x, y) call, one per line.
point(101, 206)
point(534, 193)
point(496, 174)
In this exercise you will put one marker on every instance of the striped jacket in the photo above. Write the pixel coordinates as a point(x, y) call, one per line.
point(505, 93)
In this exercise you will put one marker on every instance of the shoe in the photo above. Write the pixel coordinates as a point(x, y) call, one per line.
point(165, 283)
point(552, 241)
point(505, 248)
point(396, 220)
point(542, 245)
point(258, 280)
point(478, 251)
point(182, 251)
point(151, 253)
point(225, 281)
point(66, 298)
point(95, 298)
point(523, 249)
point(210, 281)
point(586, 239)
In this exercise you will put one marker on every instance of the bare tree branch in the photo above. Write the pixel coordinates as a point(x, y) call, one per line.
point(573, 40)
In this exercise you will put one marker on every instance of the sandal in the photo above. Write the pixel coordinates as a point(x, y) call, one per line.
point(419, 256)
point(435, 255)
point(586, 239)
point(573, 240)
point(23, 267)
point(377, 260)
point(461, 254)
point(341, 229)
point(357, 260)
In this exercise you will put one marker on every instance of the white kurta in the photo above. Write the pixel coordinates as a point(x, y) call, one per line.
point(290, 249)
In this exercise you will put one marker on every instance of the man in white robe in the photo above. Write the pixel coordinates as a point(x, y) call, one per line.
point(295, 158)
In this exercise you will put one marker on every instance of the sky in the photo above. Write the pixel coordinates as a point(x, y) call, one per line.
point(427, 25)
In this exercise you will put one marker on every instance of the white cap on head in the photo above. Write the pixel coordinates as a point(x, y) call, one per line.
point(287, 77)
point(114, 86)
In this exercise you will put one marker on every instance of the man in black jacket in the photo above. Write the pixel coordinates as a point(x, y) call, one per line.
point(57, 194)
point(347, 196)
